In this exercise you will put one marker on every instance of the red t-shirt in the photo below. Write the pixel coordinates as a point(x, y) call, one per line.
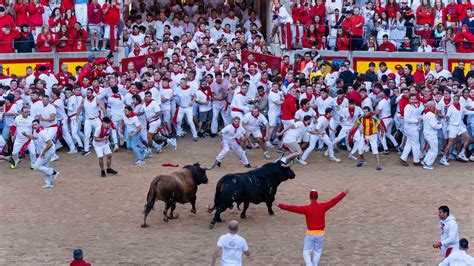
point(112, 17)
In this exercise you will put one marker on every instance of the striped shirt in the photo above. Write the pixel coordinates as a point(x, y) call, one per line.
point(369, 125)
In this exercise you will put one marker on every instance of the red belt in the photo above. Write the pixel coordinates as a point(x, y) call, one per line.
point(237, 110)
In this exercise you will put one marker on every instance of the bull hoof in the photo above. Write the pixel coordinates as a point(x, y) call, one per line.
point(165, 219)
point(243, 216)
point(174, 217)
point(193, 211)
point(209, 209)
point(271, 213)
point(144, 225)
point(211, 226)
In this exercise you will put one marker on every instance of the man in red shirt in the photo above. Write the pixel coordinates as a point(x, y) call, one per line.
point(289, 108)
point(6, 19)
point(387, 46)
point(111, 12)
point(357, 30)
point(7, 36)
point(315, 214)
point(63, 75)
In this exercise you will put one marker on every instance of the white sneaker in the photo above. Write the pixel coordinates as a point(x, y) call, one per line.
point(72, 151)
point(352, 157)
point(334, 159)
point(269, 144)
point(267, 155)
point(326, 153)
point(463, 157)
point(158, 149)
point(55, 176)
point(116, 148)
point(452, 156)
point(139, 162)
point(302, 162)
point(59, 145)
point(443, 161)
point(148, 153)
point(55, 158)
point(471, 158)
point(48, 186)
point(172, 142)
point(428, 167)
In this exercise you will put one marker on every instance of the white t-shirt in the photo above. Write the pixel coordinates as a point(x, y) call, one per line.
point(201, 96)
point(229, 132)
point(23, 125)
point(166, 94)
point(97, 134)
point(294, 134)
point(233, 246)
point(184, 97)
point(252, 123)
point(300, 114)
point(46, 112)
point(131, 122)
point(10, 120)
point(385, 108)
point(151, 110)
point(274, 102)
point(323, 104)
point(42, 139)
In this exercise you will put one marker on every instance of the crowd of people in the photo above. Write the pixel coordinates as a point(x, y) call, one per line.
point(143, 26)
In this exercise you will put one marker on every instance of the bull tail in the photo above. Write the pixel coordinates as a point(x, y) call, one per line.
point(150, 200)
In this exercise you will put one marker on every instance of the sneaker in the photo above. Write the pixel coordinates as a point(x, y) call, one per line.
point(86, 153)
point(213, 135)
point(15, 164)
point(276, 142)
point(360, 164)
point(326, 153)
point(140, 162)
point(471, 158)
point(452, 156)
point(247, 166)
point(334, 159)
point(385, 152)
point(399, 151)
point(352, 157)
point(379, 168)
point(444, 161)
point(116, 148)
point(148, 153)
point(55, 176)
point(158, 149)
point(48, 186)
point(32, 167)
point(72, 151)
point(218, 164)
point(55, 158)
point(403, 162)
point(301, 161)
point(172, 142)
point(428, 167)
point(104, 50)
point(111, 171)
point(267, 155)
point(463, 157)
point(269, 144)
point(195, 139)
point(200, 134)
point(79, 148)
point(102, 173)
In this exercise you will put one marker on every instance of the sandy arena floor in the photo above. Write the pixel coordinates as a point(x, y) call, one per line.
point(389, 217)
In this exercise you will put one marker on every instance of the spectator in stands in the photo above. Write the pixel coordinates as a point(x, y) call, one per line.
point(425, 13)
point(310, 37)
point(342, 43)
point(79, 37)
point(21, 11)
point(45, 40)
point(25, 42)
point(7, 36)
point(111, 12)
point(54, 20)
point(464, 40)
point(452, 16)
point(371, 45)
point(387, 45)
point(407, 45)
point(69, 19)
point(425, 47)
point(63, 40)
point(397, 28)
point(80, 9)
point(426, 33)
point(95, 18)
point(370, 74)
point(35, 17)
point(458, 72)
point(357, 29)
point(468, 19)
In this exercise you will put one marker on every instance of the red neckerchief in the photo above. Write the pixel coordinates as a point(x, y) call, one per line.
point(254, 73)
point(35, 101)
point(131, 115)
point(351, 111)
point(385, 97)
point(39, 129)
point(340, 100)
point(227, 31)
point(327, 117)
point(406, 45)
point(24, 35)
point(264, 81)
point(148, 103)
point(136, 52)
point(261, 94)
point(304, 109)
point(240, 80)
point(96, 89)
point(8, 107)
point(309, 96)
point(324, 98)
point(90, 98)
point(457, 105)
point(337, 17)
point(240, 92)
point(185, 87)
point(231, 17)
point(427, 110)
point(117, 96)
point(365, 97)
point(235, 127)
point(191, 80)
point(207, 92)
point(446, 102)
point(59, 98)
point(104, 132)
point(208, 68)
point(166, 87)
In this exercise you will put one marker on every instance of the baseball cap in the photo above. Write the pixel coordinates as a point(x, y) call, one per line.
point(91, 57)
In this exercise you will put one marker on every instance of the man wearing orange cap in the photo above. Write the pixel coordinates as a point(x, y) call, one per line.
point(315, 214)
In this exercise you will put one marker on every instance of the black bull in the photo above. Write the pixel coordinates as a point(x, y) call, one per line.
point(256, 186)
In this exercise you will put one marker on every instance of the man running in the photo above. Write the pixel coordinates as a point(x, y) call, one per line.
point(102, 146)
point(315, 214)
point(232, 136)
point(448, 230)
point(23, 124)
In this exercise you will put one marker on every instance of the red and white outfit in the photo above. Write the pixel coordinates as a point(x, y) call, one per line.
point(239, 105)
point(152, 115)
point(231, 137)
point(21, 143)
point(50, 127)
point(448, 230)
point(386, 118)
point(102, 148)
point(253, 123)
point(185, 100)
point(91, 119)
point(61, 117)
point(73, 120)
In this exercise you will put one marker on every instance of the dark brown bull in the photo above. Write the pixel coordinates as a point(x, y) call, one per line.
point(178, 187)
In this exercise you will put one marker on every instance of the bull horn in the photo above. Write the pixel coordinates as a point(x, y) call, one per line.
point(210, 168)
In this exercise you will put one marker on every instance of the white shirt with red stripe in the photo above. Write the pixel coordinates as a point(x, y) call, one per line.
point(45, 113)
point(152, 110)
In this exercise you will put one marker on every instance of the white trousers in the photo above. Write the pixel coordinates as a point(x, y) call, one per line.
point(18, 144)
point(42, 165)
point(89, 127)
point(219, 108)
point(412, 144)
point(188, 112)
point(67, 135)
point(312, 245)
point(432, 153)
point(227, 145)
point(388, 122)
point(74, 127)
point(313, 140)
